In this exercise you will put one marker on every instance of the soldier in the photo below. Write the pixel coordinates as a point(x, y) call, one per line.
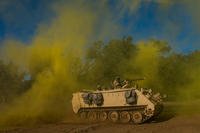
point(117, 83)
point(126, 84)
point(99, 88)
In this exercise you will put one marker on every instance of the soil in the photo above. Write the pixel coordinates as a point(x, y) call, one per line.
point(168, 122)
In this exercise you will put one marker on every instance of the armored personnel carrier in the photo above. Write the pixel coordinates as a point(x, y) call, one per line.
point(121, 104)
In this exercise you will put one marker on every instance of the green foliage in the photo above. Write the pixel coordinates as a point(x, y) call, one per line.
point(165, 71)
point(106, 61)
point(11, 82)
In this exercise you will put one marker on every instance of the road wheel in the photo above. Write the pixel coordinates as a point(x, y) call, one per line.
point(103, 116)
point(125, 117)
point(114, 116)
point(137, 117)
point(83, 115)
point(92, 116)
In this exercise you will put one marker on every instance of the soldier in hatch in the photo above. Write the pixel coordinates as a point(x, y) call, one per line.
point(117, 83)
point(99, 88)
point(126, 84)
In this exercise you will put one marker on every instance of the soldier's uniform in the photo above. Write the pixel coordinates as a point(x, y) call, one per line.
point(117, 83)
point(126, 84)
point(99, 88)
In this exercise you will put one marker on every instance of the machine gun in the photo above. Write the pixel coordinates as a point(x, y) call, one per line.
point(137, 79)
point(134, 82)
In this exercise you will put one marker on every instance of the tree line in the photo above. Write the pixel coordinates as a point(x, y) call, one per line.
point(165, 70)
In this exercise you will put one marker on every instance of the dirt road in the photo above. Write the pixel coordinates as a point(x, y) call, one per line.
point(177, 124)
point(168, 122)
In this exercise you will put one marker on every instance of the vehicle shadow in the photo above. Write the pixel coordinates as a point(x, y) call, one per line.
point(168, 113)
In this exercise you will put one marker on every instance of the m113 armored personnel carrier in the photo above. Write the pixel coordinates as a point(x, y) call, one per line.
point(125, 105)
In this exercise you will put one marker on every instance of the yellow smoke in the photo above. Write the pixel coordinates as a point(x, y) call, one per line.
point(49, 58)
point(190, 92)
point(146, 61)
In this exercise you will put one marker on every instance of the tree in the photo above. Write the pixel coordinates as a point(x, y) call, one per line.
point(11, 82)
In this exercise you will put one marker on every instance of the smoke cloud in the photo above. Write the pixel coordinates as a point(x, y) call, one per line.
point(56, 58)
point(49, 59)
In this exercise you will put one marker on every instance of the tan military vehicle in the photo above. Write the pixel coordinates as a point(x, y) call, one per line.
point(117, 105)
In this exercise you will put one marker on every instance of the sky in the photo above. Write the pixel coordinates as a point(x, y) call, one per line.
point(174, 21)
